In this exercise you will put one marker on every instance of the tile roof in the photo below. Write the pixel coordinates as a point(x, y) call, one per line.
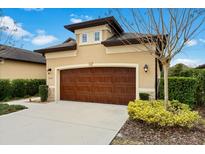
point(13, 53)
point(111, 21)
point(119, 38)
point(69, 44)
point(125, 39)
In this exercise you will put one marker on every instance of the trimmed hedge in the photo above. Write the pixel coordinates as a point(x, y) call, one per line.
point(32, 86)
point(19, 88)
point(43, 92)
point(199, 74)
point(182, 89)
point(5, 89)
point(200, 95)
point(144, 96)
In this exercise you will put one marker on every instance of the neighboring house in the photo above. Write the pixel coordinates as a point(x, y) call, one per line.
point(100, 65)
point(18, 63)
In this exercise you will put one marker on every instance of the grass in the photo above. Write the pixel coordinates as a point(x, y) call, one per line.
point(6, 108)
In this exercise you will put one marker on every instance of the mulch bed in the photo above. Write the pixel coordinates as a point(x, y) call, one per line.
point(136, 132)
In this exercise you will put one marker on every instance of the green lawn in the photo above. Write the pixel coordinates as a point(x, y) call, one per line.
point(6, 108)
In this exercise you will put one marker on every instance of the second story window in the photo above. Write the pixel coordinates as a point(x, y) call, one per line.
point(97, 36)
point(84, 38)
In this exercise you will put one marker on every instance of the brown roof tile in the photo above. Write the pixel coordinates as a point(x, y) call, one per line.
point(127, 39)
point(69, 44)
point(111, 21)
point(13, 53)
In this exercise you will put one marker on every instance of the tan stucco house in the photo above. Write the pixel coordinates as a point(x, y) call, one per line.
point(100, 65)
point(16, 63)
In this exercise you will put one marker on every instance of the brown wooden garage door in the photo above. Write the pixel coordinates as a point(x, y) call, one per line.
point(100, 84)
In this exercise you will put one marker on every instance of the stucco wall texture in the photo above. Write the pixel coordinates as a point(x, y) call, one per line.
point(10, 69)
point(98, 53)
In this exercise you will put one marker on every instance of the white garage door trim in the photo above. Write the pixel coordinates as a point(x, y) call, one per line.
point(58, 69)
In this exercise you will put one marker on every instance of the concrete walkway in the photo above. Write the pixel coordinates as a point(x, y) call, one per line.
point(65, 122)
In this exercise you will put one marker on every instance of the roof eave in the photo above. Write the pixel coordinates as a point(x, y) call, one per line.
point(92, 23)
point(28, 61)
point(74, 47)
point(120, 42)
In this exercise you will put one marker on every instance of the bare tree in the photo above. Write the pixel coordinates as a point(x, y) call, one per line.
point(7, 33)
point(168, 30)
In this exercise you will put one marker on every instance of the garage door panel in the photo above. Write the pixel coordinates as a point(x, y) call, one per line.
point(104, 85)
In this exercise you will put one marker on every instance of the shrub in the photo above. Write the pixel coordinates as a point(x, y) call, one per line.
point(199, 74)
point(144, 96)
point(43, 92)
point(19, 88)
point(177, 69)
point(180, 88)
point(153, 112)
point(5, 89)
point(200, 94)
point(6, 108)
point(32, 86)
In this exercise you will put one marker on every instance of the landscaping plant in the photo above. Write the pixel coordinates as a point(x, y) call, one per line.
point(199, 75)
point(153, 112)
point(43, 92)
point(19, 88)
point(5, 89)
point(32, 86)
point(6, 108)
point(183, 89)
point(144, 96)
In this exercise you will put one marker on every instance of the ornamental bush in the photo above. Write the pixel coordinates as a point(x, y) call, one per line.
point(144, 96)
point(153, 112)
point(43, 92)
point(199, 74)
point(32, 86)
point(5, 89)
point(183, 89)
point(19, 88)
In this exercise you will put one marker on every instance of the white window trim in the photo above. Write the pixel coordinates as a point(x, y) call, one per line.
point(81, 38)
point(100, 37)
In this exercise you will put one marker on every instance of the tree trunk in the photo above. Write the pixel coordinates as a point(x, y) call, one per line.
point(166, 94)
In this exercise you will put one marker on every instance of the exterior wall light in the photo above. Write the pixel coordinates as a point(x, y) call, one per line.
point(145, 68)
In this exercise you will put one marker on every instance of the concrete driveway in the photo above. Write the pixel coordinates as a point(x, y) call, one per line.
point(65, 122)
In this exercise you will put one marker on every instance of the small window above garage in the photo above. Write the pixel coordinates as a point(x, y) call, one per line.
point(97, 37)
